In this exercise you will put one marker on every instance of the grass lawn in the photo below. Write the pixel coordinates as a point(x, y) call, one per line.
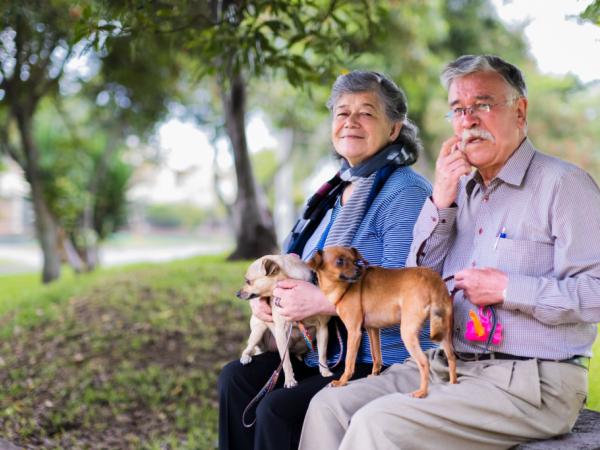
point(122, 358)
point(125, 357)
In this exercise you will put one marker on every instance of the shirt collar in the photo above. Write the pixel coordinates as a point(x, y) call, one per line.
point(513, 171)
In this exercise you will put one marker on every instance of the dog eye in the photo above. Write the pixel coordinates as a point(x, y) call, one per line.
point(247, 281)
point(339, 262)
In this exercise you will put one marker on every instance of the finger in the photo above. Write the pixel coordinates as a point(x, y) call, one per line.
point(462, 274)
point(448, 146)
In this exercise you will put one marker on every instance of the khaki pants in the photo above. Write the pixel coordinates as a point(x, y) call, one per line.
point(495, 405)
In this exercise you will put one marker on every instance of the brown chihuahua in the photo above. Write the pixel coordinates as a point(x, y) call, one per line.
point(261, 278)
point(375, 297)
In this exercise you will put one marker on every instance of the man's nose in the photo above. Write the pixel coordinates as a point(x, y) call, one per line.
point(469, 118)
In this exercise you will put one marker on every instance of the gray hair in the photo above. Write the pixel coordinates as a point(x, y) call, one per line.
point(392, 97)
point(468, 64)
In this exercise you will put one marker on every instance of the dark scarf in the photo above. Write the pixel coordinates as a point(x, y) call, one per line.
point(369, 177)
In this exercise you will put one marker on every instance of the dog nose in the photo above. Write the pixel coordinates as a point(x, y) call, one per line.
point(238, 294)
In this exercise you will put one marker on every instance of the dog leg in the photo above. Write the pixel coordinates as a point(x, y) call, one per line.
point(410, 337)
point(322, 340)
point(351, 352)
point(375, 342)
point(282, 341)
point(257, 329)
point(450, 356)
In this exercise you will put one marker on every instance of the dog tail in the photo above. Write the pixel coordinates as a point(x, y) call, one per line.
point(440, 315)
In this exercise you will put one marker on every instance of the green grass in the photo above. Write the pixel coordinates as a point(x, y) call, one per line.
point(125, 357)
point(122, 358)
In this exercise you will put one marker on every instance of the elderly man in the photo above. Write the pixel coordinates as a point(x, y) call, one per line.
point(520, 234)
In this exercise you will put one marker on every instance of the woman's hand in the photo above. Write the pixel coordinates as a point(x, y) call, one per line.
point(449, 167)
point(261, 309)
point(301, 299)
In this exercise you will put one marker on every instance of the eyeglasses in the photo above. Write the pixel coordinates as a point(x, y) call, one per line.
point(474, 110)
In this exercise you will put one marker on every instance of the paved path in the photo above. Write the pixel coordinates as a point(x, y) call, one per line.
point(27, 257)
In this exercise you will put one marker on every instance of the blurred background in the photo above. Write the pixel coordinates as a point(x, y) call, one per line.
point(158, 132)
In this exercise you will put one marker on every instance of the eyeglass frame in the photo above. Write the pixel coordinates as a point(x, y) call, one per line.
point(475, 109)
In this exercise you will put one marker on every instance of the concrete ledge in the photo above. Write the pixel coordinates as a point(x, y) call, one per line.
point(585, 436)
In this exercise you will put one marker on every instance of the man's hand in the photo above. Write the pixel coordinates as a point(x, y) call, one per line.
point(301, 299)
point(482, 286)
point(449, 167)
point(261, 309)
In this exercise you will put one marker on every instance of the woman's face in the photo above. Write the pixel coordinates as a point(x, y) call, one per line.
point(360, 127)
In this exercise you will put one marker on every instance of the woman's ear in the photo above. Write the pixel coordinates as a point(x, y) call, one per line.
point(395, 132)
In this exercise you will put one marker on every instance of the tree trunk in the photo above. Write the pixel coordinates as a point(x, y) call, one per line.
point(45, 223)
point(253, 223)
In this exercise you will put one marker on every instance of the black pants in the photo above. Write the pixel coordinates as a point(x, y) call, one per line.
point(279, 415)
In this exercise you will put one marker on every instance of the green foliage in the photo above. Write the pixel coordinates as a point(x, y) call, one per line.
point(75, 155)
point(174, 215)
point(302, 39)
point(592, 12)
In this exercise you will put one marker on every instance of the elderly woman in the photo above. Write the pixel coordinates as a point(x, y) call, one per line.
point(372, 204)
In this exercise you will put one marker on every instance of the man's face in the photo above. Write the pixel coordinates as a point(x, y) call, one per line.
point(490, 137)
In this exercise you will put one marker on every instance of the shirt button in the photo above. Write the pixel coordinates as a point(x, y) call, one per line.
point(473, 263)
point(486, 198)
point(434, 219)
point(480, 230)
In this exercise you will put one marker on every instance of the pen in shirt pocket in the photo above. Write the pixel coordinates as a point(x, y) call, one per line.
point(501, 235)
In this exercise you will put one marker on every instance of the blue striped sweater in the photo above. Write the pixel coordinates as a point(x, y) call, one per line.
point(384, 238)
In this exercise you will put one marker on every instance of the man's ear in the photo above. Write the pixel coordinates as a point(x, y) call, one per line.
point(316, 261)
point(271, 267)
point(522, 111)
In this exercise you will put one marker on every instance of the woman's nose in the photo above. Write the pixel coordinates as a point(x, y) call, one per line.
point(351, 120)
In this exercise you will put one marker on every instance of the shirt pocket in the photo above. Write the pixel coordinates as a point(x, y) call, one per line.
point(524, 257)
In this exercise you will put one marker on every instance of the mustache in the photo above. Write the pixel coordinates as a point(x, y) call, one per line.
point(476, 133)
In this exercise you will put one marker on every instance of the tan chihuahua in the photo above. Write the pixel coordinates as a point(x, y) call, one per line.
point(375, 297)
point(261, 278)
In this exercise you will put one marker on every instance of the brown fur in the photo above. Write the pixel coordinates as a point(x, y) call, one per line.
point(261, 278)
point(375, 297)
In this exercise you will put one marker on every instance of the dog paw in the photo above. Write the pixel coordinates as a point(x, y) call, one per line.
point(245, 359)
point(291, 383)
point(419, 393)
point(337, 383)
point(326, 372)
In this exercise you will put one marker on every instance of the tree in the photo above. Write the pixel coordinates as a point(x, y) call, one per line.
point(592, 12)
point(128, 95)
point(236, 41)
point(36, 43)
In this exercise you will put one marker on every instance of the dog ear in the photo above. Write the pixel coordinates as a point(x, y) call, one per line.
point(316, 261)
point(355, 253)
point(271, 267)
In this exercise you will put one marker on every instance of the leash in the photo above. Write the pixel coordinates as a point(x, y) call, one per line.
point(309, 342)
point(453, 291)
point(268, 387)
point(493, 313)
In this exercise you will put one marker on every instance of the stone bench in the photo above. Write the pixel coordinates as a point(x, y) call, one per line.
point(585, 436)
